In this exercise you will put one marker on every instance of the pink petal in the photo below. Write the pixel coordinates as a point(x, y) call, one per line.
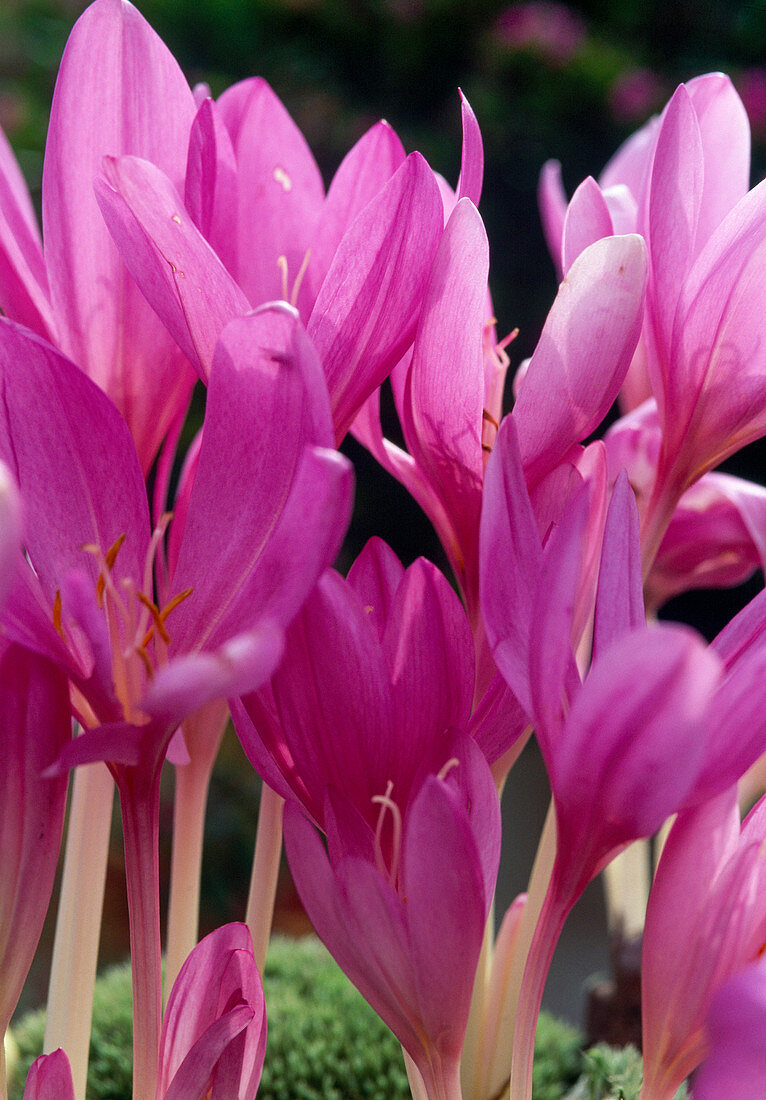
point(50, 1078)
point(174, 266)
point(510, 562)
point(367, 307)
point(443, 407)
point(472, 157)
point(23, 277)
point(552, 201)
point(119, 91)
point(375, 577)
point(587, 220)
point(74, 460)
point(736, 1064)
point(584, 351)
point(212, 189)
point(280, 194)
point(363, 172)
point(619, 601)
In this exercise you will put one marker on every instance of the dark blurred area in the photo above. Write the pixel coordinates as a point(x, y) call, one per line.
point(545, 80)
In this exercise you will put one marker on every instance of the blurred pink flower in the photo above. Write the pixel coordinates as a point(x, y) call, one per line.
point(752, 89)
point(635, 94)
point(544, 26)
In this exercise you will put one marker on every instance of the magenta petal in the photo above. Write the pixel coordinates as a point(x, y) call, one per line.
point(34, 703)
point(498, 720)
point(50, 1078)
point(615, 772)
point(583, 354)
point(443, 410)
point(587, 220)
point(23, 276)
point(375, 577)
point(552, 201)
point(674, 204)
point(472, 157)
point(238, 665)
point(350, 907)
point(363, 172)
point(440, 860)
point(216, 996)
point(365, 313)
point(119, 91)
point(736, 1065)
point(211, 187)
point(280, 194)
point(510, 562)
point(725, 136)
point(266, 402)
point(429, 650)
point(174, 266)
point(619, 599)
point(74, 460)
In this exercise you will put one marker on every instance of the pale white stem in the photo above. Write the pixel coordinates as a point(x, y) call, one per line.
point(626, 886)
point(417, 1085)
point(78, 925)
point(263, 881)
point(471, 1062)
point(538, 886)
point(186, 862)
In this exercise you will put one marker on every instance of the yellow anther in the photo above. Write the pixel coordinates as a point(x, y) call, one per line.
point(111, 554)
point(156, 615)
point(57, 613)
point(175, 602)
point(146, 660)
point(485, 415)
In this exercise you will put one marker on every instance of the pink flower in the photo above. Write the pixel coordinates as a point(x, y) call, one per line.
point(551, 29)
point(705, 922)
point(119, 90)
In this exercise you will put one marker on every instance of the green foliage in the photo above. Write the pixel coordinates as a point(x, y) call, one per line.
point(612, 1074)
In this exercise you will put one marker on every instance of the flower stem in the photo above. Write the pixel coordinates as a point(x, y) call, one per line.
point(202, 733)
point(263, 881)
point(554, 912)
point(78, 925)
point(139, 797)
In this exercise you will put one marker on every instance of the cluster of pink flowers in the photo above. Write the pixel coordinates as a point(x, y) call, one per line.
point(189, 237)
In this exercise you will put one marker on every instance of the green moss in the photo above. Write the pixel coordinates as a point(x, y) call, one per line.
point(326, 1043)
point(612, 1073)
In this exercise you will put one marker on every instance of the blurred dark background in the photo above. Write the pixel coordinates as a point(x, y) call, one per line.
point(545, 80)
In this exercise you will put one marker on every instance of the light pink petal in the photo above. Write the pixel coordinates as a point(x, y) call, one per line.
point(584, 351)
point(498, 720)
point(587, 220)
point(363, 172)
point(743, 632)
point(280, 194)
point(119, 91)
point(34, 703)
point(725, 136)
point(50, 1078)
point(444, 402)
point(510, 562)
point(192, 1079)
point(74, 460)
point(10, 531)
point(630, 163)
point(717, 387)
point(619, 599)
point(23, 277)
point(472, 156)
point(211, 189)
point(375, 577)
point(367, 307)
point(552, 202)
point(675, 197)
point(174, 266)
